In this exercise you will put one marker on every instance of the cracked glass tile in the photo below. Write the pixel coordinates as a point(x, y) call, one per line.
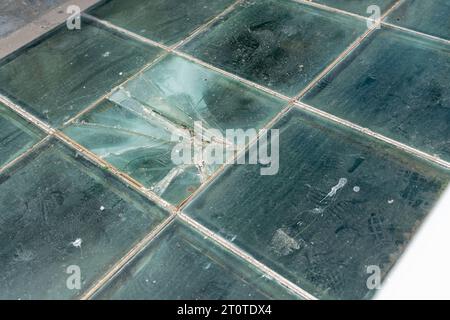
point(358, 6)
point(340, 202)
point(431, 17)
point(182, 264)
point(59, 210)
point(71, 69)
point(165, 21)
point(16, 135)
point(133, 129)
point(279, 44)
point(394, 84)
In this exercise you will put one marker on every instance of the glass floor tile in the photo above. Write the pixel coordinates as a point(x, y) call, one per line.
point(339, 204)
point(71, 69)
point(133, 131)
point(182, 264)
point(358, 6)
point(343, 203)
point(165, 21)
point(16, 135)
point(280, 44)
point(58, 211)
point(431, 17)
point(394, 84)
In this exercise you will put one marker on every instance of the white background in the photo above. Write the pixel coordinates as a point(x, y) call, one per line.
point(423, 270)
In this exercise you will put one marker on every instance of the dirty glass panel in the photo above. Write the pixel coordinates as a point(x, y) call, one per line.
point(339, 204)
point(70, 70)
point(395, 84)
point(59, 213)
point(133, 130)
point(358, 6)
point(16, 135)
point(165, 21)
point(182, 264)
point(280, 44)
point(431, 17)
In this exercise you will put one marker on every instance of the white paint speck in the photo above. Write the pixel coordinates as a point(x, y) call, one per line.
point(102, 208)
point(77, 243)
point(318, 210)
point(106, 54)
point(356, 189)
point(341, 183)
point(391, 201)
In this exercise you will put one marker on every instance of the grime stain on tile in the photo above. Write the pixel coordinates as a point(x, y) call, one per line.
point(279, 44)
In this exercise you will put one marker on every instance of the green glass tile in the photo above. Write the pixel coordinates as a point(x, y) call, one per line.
point(16, 135)
point(133, 130)
point(395, 84)
point(182, 264)
point(431, 17)
point(280, 44)
point(70, 70)
point(358, 6)
point(340, 202)
point(59, 210)
point(165, 21)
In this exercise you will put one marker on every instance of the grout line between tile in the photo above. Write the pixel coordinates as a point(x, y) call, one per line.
point(89, 155)
point(366, 131)
point(333, 64)
point(116, 172)
point(117, 267)
point(234, 249)
point(238, 153)
point(346, 52)
point(383, 23)
point(207, 24)
point(232, 76)
point(142, 39)
point(125, 32)
point(416, 33)
point(324, 7)
point(109, 93)
point(27, 116)
point(24, 154)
